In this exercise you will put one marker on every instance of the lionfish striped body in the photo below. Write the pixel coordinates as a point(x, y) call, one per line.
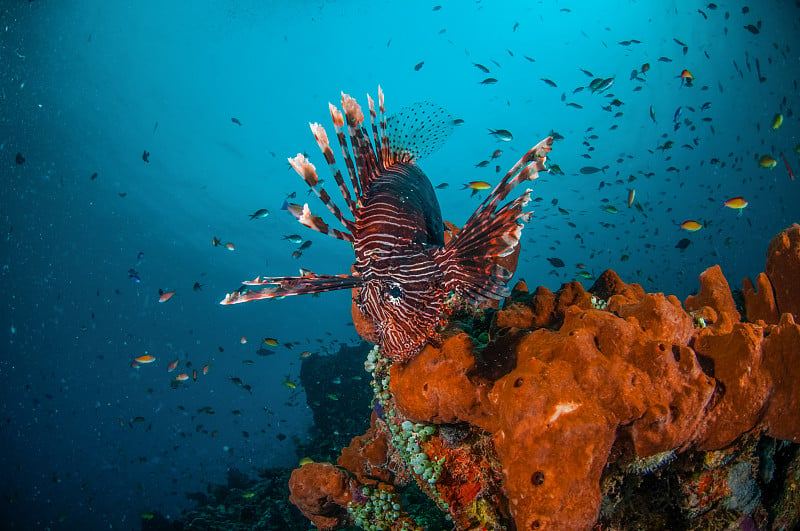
point(403, 269)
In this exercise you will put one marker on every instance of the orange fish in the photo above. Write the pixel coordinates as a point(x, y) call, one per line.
point(194, 375)
point(686, 77)
point(164, 296)
point(305, 354)
point(205, 369)
point(242, 340)
point(229, 246)
point(182, 377)
point(271, 341)
point(691, 225)
point(147, 358)
point(172, 366)
point(737, 203)
point(631, 196)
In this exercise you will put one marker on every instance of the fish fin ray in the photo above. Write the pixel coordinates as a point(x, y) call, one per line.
point(415, 132)
point(471, 259)
point(277, 287)
point(307, 219)
point(308, 172)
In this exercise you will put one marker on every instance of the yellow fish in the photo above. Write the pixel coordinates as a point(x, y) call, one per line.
point(248, 495)
point(692, 225)
point(271, 341)
point(290, 384)
point(737, 203)
point(305, 461)
point(777, 121)
point(767, 161)
point(477, 186)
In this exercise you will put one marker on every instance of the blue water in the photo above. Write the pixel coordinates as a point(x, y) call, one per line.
point(88, 86)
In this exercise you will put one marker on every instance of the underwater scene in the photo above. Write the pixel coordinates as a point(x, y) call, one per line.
point(533, 265)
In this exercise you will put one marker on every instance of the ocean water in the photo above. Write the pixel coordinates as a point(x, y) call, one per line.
point(91, 232)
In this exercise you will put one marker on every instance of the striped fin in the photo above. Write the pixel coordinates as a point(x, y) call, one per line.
point(366, 160)
point(526, 169)
point(321, 136)
point(469, 259)
point(338, 125)
point(306, 218)
point(309, 174)
point(277, 287)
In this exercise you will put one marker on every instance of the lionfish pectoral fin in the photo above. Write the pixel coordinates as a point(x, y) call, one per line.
point(278, 287)
point(474, 260)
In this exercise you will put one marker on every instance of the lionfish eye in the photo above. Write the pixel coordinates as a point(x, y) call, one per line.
point(394, 291)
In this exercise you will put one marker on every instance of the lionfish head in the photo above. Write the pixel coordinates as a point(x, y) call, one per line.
point(405, 302)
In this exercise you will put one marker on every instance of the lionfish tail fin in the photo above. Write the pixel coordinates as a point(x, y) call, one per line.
point(279, 287)
point(476, 261)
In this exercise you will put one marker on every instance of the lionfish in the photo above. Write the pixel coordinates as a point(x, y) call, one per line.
point(404, 272)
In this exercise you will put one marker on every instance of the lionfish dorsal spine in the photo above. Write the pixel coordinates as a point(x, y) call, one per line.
point(338, 125)
point(321, 136)
point(366, 164)
point(307, 219)
point(308, 172)
point(384, 137)
point(373, 116)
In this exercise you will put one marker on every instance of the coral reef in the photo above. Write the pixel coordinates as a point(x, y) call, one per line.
point(556, 411)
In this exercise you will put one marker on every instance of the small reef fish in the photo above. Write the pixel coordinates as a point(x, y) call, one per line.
point(290, 384)
point(182, 377)
point(147, 358)
point(686, 78)
point(164, 296)
point(502, 134)
point(259, 214)
point(477, 186)
point(736, 203)
point(172, 366)
point(405, 271)
point(271, 341)
point(691, 225)
point(777, 121)
point(767, 161)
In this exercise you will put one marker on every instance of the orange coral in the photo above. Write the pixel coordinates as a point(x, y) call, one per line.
point(632, 375)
